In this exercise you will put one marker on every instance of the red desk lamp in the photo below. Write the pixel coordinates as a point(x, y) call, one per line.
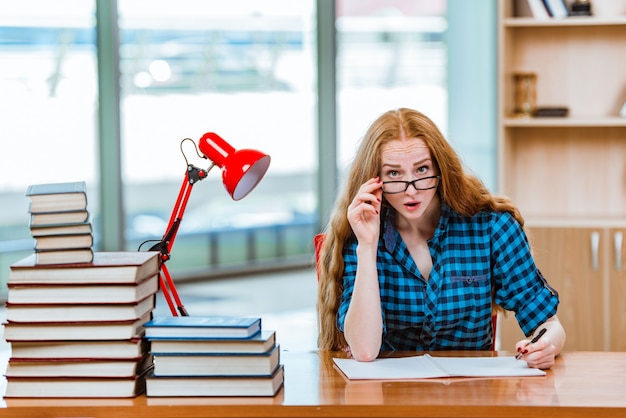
point(242, 170)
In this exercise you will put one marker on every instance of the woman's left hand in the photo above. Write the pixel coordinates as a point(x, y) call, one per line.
point(542, 354)
point(539, 355)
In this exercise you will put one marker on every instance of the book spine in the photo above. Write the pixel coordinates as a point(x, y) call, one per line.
point(557, 8)
point(538, 9)
point(546, 5)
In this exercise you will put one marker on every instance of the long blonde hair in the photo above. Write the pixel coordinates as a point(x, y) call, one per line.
point(462, 191)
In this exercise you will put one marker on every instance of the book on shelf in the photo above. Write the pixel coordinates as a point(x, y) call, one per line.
point(98, 349)
point(29, 293)
point(538, 9)
point(428, 367)
point(63, 242)
point(54, 197)
point(216, 364)
point(58, 218)
point(202, 326)
point(62, 367)
point(106, 267)
point(216, 385)
point(75, 387)
point(556, 8)
point(551, 112)
point(260, 342)
point(66, 229)
point(81, 255)
point(83, 312)
point(531, 8)
point(74, 331)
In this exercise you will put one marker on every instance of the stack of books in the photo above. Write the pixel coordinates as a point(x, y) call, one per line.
point(213, 356)
point(60, 222)
point(76, 330)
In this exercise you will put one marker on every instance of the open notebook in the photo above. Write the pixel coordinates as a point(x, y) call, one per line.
point(427, 366)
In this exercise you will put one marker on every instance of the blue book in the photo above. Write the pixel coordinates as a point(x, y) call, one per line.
point(556, 8)
point(217, 364)
point(202, 327)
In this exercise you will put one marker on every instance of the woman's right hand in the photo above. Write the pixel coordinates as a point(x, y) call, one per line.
point(363, 324)
point(363, 212)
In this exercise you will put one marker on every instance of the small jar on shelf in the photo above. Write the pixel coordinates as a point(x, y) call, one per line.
point(525, 94)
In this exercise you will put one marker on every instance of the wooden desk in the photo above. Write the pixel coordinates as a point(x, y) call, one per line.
point(581, 384)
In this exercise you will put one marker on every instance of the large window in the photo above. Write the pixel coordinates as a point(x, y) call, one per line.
point(242, 69)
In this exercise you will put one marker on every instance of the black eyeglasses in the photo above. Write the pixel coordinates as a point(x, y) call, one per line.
point(425, 183)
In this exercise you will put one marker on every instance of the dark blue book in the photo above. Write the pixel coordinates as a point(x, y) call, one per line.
point(202, 327)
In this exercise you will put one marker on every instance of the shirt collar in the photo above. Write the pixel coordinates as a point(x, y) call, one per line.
point(389, 233)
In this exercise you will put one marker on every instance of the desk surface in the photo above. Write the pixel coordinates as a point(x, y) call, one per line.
point(581, 384)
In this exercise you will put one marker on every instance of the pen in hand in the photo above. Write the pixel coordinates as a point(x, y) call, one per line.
point(534, 340)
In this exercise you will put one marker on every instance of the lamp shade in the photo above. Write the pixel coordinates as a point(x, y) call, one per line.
point(241, 169)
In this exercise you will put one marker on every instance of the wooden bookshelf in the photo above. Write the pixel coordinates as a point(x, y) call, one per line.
point(568, 174)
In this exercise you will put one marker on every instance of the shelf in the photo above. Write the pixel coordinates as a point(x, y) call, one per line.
point(568, 168)
point(567, 175)
point(567, 122)
point(520, 22)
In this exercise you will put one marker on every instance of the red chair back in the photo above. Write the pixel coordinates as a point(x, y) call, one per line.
point(318, 240)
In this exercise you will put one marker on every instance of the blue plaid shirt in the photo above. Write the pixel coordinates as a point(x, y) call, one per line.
point(452, 309)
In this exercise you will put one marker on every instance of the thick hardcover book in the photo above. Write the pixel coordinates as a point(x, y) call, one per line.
point(59, 367)
point(74, 313)
point(74, 331)
point(75, 387)
point(100, 349)
point(81, 293)
point(106, 267)
point(216, 364)
point(261, 342)
point(202, 327)
point(216, 386)
point(77, 256)
point(58, 218)
point(69, 229)
point(63, 242)
point(54, 197)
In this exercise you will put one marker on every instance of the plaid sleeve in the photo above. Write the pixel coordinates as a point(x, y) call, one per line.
point(519, 285)
point(349, 273)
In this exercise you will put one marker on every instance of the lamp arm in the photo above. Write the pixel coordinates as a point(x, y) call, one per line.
point(167, 241)
point(192, 176)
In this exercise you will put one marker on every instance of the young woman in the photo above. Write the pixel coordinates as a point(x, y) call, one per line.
point(418, 253)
